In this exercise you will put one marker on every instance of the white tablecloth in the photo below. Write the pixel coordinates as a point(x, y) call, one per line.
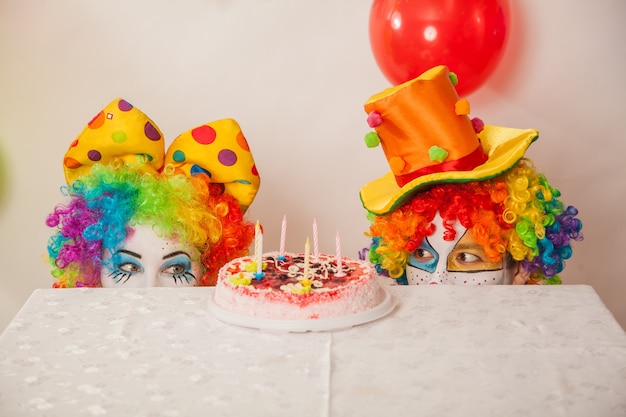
point(444, 351)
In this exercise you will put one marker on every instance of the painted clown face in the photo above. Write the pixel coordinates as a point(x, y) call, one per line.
point(146, 260)
point(460, 261)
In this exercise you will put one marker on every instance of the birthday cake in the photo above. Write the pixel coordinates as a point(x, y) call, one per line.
point(291, 287)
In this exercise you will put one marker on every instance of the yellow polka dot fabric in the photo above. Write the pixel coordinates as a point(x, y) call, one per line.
point(119, 131)
point(123, 132)
point(220, 150)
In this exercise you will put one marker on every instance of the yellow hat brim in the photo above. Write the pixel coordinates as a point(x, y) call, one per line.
point(504, 147)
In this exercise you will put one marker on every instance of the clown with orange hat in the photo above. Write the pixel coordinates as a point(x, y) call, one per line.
point(461, 205)
point(140, 216)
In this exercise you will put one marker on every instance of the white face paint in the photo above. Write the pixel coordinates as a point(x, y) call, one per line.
point(146, 260)
point(457, 262)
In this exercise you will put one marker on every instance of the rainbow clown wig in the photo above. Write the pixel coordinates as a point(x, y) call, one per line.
point(444, 162)
point(517, 214)
point(119, 177)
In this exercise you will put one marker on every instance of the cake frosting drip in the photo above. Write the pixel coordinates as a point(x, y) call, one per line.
point(285, 290)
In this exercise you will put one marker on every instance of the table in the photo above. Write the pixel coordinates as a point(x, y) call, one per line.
point(443, 351)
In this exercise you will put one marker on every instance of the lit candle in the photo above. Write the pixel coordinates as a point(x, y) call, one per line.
point(307, 249)
point(316, 248)
point(258, 250)
point(283, 236)
point(340, 272)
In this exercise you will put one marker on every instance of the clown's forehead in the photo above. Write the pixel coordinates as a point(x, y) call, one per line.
point(437, 238)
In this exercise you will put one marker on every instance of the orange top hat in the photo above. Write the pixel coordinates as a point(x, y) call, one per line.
point(428, 138)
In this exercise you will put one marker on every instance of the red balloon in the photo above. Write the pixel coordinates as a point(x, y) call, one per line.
point(409, 37)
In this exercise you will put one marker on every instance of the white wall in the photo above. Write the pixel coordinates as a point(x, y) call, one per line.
point(295, 74)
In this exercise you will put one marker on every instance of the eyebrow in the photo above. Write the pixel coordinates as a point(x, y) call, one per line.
point(179, 252)
point(131, 253)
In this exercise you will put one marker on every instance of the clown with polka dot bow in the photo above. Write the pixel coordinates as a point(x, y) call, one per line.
point(138, 216)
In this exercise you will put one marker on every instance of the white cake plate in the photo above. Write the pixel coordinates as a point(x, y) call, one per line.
point(385, 307)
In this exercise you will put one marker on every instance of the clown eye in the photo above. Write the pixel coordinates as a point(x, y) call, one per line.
point(180, 273)
point(178, 268)
point(129, 267)
point(468, 258)
point(423, 255)
point(175, 269)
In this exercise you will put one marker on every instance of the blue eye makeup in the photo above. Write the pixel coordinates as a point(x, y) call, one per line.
point(123, 265)
point(424, 257)
point(139, 269)
point(178, 267)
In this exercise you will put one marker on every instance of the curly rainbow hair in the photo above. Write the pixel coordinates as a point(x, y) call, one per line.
point(105, 203)
point(517, 214)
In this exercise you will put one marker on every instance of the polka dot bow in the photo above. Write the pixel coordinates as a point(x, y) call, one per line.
point(123, 132)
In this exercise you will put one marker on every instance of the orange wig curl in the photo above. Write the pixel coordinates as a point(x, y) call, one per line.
point(516, 213)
